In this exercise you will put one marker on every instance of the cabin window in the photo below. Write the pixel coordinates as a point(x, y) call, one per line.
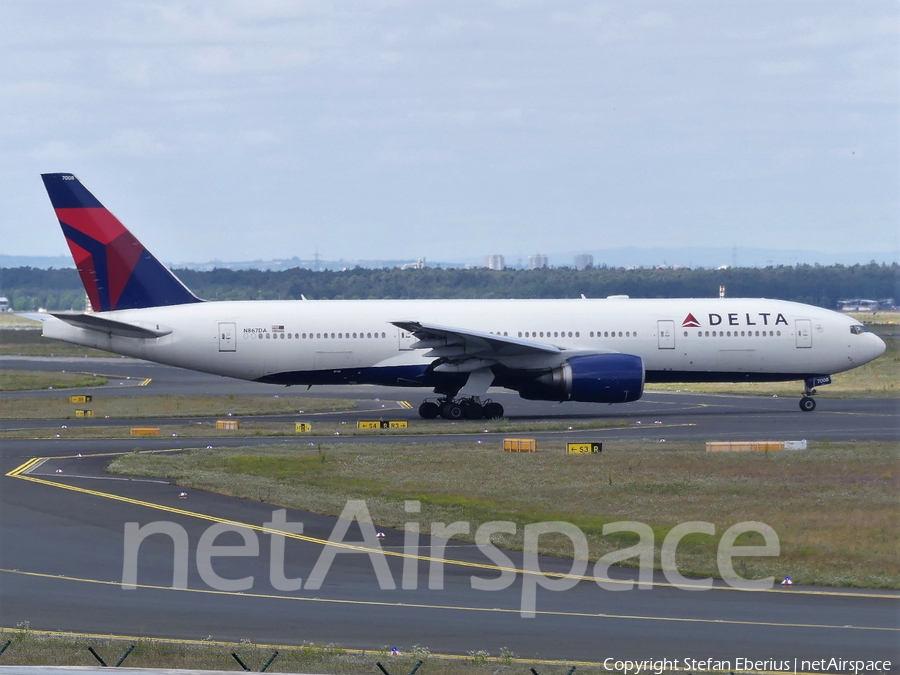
point(620, 333)
point(627, 333)
point(685, 333)
point(577, 334)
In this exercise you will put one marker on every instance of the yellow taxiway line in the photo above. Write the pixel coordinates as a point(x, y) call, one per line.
point(21, 472)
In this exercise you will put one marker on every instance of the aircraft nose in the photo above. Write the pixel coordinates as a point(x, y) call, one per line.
point(878, 346)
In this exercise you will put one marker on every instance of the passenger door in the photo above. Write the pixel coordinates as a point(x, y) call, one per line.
point(666, 334)
point(227, 343)
point(804, 333)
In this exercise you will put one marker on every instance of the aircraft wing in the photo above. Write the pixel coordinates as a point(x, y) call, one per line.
point(104, 325)
point(463, 350)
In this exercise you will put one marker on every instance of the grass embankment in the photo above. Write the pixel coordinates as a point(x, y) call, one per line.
point(10, 320)
point(130, 407)
point(21, 380)
point(22, 337)
point(36, 648)
point(834, 507)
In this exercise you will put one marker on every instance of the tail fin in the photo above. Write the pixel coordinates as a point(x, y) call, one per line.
point(115, 268)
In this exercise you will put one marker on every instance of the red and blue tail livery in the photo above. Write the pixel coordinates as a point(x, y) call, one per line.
point(115, 268)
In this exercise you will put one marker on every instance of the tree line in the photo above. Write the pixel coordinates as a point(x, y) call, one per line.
point(60, 289)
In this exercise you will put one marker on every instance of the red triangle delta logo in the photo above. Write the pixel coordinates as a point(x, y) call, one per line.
point(690, 322)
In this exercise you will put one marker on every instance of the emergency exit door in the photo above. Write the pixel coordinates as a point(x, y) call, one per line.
point(406, 340)
point(804, 333)
point(666, 332)
point(227, 342)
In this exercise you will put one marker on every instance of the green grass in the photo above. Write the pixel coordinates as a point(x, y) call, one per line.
point(834, 506)
point(21, 380)
point(59, 649)
point(29, 342)
point(10, 320)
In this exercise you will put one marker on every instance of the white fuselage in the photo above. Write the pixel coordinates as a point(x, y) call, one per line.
point(678, 340)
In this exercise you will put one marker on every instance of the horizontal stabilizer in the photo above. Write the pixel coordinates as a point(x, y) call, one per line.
point(111, 327)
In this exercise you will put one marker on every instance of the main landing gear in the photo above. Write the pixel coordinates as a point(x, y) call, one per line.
point(472, 408)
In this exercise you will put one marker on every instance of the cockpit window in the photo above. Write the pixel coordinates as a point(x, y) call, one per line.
point(858, 329)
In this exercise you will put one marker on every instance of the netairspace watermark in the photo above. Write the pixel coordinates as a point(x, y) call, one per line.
point(745, 664)
point(279, 529)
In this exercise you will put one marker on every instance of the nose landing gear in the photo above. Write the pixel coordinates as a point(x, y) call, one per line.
point(808, 403)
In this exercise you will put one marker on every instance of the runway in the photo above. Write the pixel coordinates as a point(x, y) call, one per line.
point(62, 553)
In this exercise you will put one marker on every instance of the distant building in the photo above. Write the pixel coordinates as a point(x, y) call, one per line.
point(584, 261)
point(495, 262)
point(418, 265)
point(4, 305)
point(537, 261)
point(862, 305)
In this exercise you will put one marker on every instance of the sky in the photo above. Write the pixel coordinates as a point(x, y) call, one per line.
point(259, 129)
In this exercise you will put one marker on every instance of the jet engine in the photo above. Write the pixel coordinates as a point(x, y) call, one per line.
point(592, 378)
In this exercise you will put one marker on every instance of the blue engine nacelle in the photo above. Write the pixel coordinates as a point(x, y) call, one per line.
point(593, 378)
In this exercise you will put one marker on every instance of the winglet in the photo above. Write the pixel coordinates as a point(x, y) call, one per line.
point(115, 268)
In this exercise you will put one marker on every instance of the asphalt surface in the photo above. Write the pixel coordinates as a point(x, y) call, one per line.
point(62, 524)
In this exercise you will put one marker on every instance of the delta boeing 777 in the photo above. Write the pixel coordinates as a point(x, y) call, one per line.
point(597, 351)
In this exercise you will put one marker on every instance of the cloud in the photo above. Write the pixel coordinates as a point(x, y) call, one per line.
point(555, 119)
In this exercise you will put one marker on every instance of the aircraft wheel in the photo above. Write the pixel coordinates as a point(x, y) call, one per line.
point(807, 404)
point(452, 411)
point(429, 410)
point(474, 411)
point(493, 411)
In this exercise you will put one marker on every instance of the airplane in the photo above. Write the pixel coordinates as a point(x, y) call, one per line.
point(590, 350)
